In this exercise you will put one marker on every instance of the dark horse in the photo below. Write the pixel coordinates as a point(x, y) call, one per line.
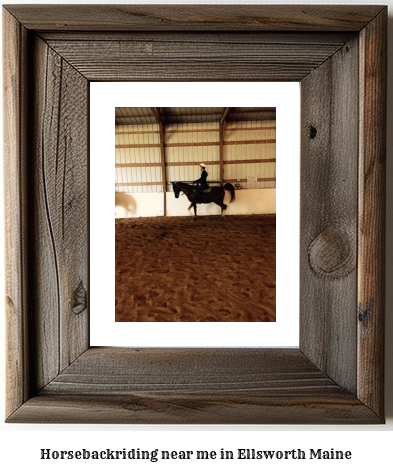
point(216, 194)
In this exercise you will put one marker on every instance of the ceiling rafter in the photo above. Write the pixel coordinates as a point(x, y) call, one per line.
point(225, 114)
point(157, 113)
point(169, 115)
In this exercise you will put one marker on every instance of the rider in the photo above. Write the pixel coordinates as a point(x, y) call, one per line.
point(202, 183)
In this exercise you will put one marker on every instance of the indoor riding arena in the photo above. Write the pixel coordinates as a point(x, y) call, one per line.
point(220, 264)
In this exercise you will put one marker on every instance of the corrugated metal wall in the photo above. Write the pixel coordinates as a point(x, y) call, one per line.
point(188, 144)
point(249, 154)
point(138, 145)
point(253, 146)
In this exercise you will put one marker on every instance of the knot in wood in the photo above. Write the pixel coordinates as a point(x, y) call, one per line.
point(364, 316)
point(80, 299)
point(313, 132)
point(331, 255)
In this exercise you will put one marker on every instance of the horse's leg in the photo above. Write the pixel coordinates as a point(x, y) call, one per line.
point(195, 210)
point(223, 207)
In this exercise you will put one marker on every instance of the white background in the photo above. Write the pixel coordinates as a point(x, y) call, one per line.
point(371, 445)
point(104, 97)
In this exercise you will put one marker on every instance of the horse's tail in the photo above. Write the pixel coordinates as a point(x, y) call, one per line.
point(231, 189)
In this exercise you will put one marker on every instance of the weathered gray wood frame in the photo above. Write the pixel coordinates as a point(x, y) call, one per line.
point(338, 54)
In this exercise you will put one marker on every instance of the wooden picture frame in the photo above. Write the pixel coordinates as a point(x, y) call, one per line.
point(338, 54)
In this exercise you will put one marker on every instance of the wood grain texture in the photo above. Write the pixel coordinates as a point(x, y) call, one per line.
point(14, 73)
point(329, 173)
point(201, 37)
point(52, 374)
point(174, 59)
point(59, 219)
point(193, 386)
point(372, 172)
point(193, 17)
point(239, 409)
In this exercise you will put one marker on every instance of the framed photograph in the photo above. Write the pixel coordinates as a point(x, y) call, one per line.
point(164, 280)
point(52, 54)
point(181, 162)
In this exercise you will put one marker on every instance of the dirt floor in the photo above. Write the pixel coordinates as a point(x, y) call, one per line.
point(177, 269)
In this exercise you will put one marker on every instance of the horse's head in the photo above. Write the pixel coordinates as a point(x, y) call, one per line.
point(176, 189)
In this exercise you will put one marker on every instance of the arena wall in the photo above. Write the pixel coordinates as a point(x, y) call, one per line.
point(248, 201)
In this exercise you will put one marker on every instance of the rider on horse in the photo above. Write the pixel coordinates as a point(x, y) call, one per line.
point(202, 184)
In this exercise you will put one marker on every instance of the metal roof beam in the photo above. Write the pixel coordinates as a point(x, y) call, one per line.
point(157, 113)
point(225, 114)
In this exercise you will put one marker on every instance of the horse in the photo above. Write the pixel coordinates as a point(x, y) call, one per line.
point(216, 195)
